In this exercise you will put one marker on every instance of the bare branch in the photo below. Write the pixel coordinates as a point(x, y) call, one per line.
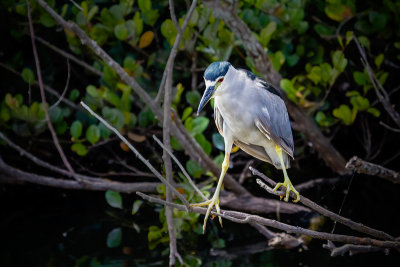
point(12, 175)
point(43, 96)
point(361, 166)
point(146, 162)
point(352, 249)
point(181, 168)
point(240, 217)
point(389, 127)
point(335, 217)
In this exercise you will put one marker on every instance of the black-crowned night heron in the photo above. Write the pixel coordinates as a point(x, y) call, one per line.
point(251, 114)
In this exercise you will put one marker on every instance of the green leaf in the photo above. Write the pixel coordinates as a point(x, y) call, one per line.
point(374, 112)
point(76, 129)
point(199, 125)
point(114, 238)
point(79, 149)
point(218, 141)
point(138, 23)
point(175, 144)
point(359, 102)
point(204, 143)
point(266, 33)
point(378, 60)
point(186, 113)
point(339, 61)
point(93, 134)
point(144, 5)
point(121, 31)
point(289, 89)
point(193, 98)
point(277, 60)
point(47, 20)
point(55, 114)
point(323, 30)
point(169, 31)
point(364, 41)
point(336, 11)
point(136, 206)
point(61, 127)
point(113, 199)
point(28, 75)
point(349, 37)
point(344, 113)
point(194, 169)
point(92, 91)
point(359, 77)
point(73, 95)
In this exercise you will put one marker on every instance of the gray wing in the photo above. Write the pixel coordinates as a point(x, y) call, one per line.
point(273, 119)
point(253, 150)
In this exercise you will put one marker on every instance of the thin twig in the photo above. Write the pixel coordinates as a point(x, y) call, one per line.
point(352, 249)
point(66, 87)
point(244, 218)
point(146, 162)
point(396, 130)
point(46, 87)
point(335, 217)
point(43, 96)
point(379, 90)
point(181, 168)
point(69, 56)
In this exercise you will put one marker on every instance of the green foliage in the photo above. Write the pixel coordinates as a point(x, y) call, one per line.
point(113, 199)
point(310, 43)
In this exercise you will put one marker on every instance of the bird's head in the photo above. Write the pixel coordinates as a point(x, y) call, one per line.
point(213, 77)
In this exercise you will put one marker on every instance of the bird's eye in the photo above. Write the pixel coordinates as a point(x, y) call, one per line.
point(220, 80)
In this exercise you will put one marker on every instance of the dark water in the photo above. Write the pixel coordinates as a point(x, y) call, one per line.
point(50, 227)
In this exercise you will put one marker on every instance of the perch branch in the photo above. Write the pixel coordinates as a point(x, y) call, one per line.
point(240, 217)
point(335, 217)
point(361, 166)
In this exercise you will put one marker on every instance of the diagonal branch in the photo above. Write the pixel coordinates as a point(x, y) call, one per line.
point(335, 217)
point(145, 161)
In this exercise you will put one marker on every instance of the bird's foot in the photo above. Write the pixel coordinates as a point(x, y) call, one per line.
point(289, 187)
point(210, 203)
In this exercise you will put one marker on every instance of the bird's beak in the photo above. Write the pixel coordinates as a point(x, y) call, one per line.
point(206, 97)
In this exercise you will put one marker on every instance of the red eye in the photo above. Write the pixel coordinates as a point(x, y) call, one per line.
point(220, 80)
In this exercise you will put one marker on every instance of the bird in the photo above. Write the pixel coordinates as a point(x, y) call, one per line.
point(251, 114)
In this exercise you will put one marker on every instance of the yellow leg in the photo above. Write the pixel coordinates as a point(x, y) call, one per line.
point(215, 199)
point(286, 183)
